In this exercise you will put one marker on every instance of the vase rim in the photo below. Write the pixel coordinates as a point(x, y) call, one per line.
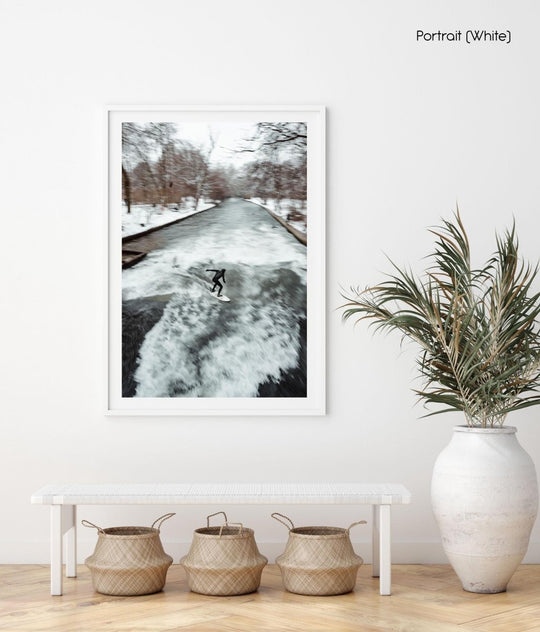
point(498, 430)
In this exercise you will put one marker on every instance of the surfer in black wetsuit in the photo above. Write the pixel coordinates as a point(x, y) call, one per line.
point(218, 274)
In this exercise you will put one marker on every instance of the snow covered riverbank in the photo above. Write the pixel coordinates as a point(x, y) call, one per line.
point(291, 211)
point(145, 216)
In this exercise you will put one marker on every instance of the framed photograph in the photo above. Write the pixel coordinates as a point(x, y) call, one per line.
point(216, 260)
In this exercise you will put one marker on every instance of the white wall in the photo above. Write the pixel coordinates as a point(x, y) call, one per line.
point(411, 130)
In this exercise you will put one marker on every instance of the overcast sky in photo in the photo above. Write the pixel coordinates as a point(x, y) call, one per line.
point(229, 136)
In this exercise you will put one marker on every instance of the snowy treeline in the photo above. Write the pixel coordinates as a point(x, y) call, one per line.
point(278, 168)
point(161, 167)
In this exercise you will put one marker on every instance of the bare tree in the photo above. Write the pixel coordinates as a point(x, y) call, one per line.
point(274, 137)
point(203, 174)
point(219, 183)
point(163, 138)
point(147, 145)
point(135, 145)
point(188, 163)
point(279, 167)
point(126, 189)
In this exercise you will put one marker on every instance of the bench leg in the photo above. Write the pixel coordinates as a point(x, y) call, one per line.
point(375, 541)
point(56, 549)
point(381, 550)
point(70, 529)
point(62, 521)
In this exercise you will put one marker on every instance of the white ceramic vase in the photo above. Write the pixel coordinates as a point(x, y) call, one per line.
point(485, 499)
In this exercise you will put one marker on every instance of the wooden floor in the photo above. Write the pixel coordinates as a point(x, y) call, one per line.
point(424, 599)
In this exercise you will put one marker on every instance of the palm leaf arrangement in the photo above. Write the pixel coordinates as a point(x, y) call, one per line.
point(477, 329)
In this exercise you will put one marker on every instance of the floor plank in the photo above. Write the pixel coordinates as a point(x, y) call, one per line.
point(425, 598)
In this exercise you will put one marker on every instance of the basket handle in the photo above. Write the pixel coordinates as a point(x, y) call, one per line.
point(161, 520)
point(354, 524)
point(216, 514)
point(86, 523)
point(274, 516)
point(228, 524)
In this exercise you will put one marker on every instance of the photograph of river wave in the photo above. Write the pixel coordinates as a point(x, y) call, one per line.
point(214, 245)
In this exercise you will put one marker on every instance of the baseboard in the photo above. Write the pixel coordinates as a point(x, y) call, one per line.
point(37, 552)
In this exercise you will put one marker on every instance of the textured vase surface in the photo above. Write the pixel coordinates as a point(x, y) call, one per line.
point(484, 494)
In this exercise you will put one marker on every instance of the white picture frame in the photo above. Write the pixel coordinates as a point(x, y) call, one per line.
point(123, 290)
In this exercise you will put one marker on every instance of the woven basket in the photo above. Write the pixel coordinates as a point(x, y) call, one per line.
point(223, 560)
point(129, 560)
point(318, 560)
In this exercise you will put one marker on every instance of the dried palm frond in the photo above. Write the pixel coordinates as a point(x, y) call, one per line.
point(477, 328)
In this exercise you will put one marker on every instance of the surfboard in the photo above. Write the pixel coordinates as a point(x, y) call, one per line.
point(223, 298)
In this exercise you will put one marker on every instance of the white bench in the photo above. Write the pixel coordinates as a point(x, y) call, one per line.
point(63, 500)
